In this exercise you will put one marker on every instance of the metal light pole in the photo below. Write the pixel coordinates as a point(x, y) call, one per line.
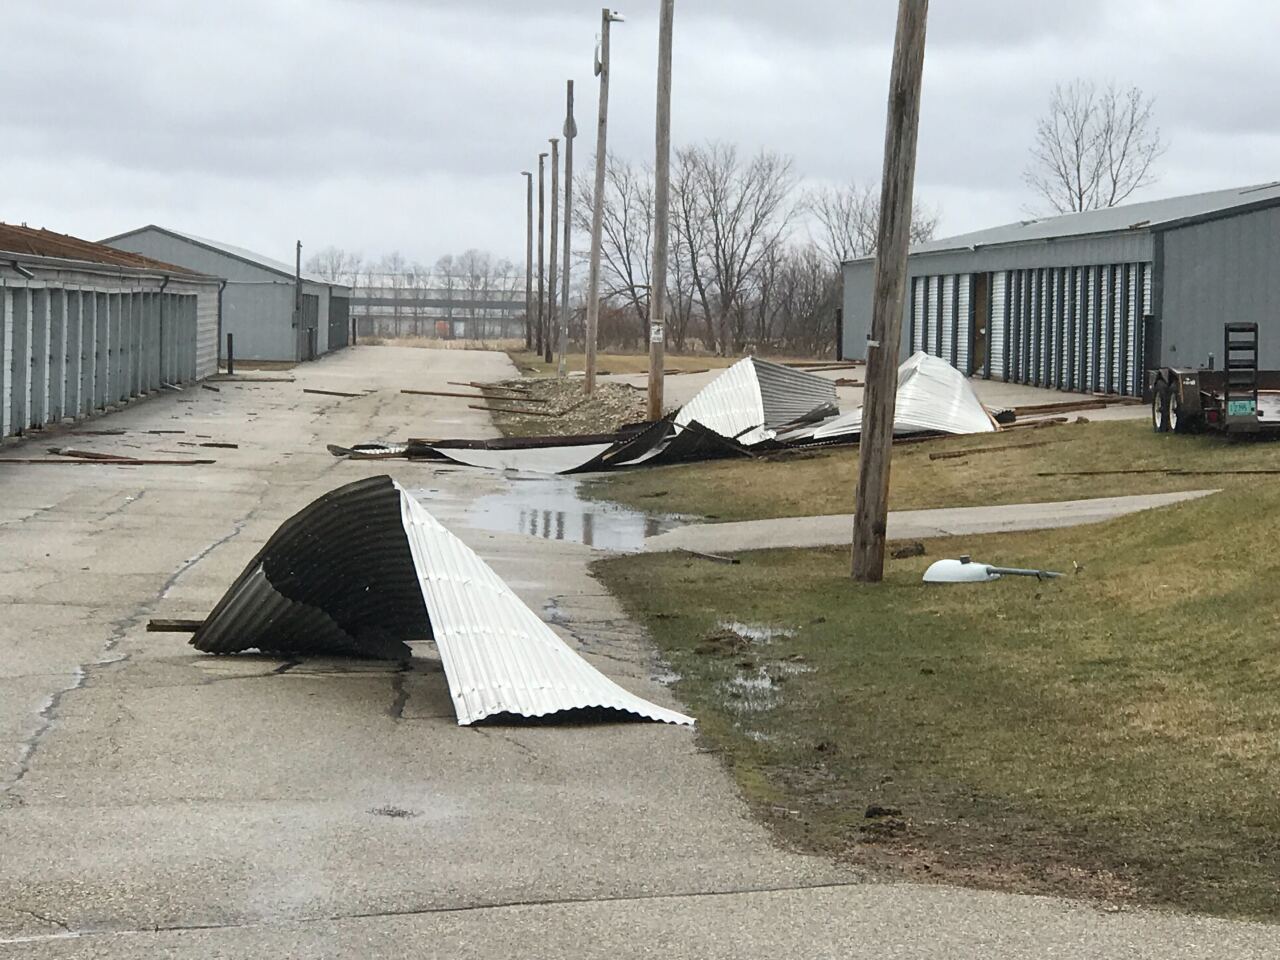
point(875, 446)
point(542, 223)
point(661, 204)
point(607, 17)
point(570, 131)
point(555, 227)
point(528, 261)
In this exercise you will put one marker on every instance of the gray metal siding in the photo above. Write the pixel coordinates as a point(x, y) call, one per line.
point(183, 253)
point(859, 281)
point(1218, 272)
point(260, 316)
point(68, 348)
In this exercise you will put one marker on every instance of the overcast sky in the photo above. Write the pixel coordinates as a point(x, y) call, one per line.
point(404, 124)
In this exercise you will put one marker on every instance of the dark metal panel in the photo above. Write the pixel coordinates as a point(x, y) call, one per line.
point(1072, 327)
point(1095, 353)
point(954, 320)
point(937, 317)
point(20, 360)
point(1027, 322)
point(1126, 329)
point(339, 322)
point(1009, 295)
point(308, 588)
point(915, 282)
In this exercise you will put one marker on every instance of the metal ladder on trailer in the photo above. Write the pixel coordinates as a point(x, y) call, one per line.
point(1240, 356)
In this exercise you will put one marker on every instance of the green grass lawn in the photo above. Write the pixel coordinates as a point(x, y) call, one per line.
point(824, 481)
point(1113, 734)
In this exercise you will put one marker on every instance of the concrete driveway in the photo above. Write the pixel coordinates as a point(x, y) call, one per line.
point(158, 802)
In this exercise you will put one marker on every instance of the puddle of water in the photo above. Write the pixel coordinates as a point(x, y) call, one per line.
point(751, 693)
point(756, 632)
point(549, 507)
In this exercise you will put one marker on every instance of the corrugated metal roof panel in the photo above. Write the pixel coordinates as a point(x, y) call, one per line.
point(752, 397)
point(365, 569)
point(498, 655)
point(933, 396)
point(789, 394)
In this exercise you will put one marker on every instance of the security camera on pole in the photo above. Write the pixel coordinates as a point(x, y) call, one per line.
point(607, 17)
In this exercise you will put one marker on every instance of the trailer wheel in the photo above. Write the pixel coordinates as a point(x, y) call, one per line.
point(1160, 408)
point(1179, 422)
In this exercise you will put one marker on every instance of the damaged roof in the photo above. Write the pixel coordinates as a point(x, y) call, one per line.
point(752, 397)
point(932, 397)
point(366, 570)
point(28, 241)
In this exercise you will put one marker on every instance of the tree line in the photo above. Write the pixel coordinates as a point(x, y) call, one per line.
point(755, 259)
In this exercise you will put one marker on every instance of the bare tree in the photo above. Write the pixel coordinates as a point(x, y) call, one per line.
point(335, 265)
point(848, 220)
point(626, 239)
point(746, 209)
point(392, 270)
point(1095, 147)
point(475, 268)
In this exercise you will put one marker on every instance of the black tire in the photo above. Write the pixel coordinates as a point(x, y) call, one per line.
point(1179, 422)
point(1160, 408)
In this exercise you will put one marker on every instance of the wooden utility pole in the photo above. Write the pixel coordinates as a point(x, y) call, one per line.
point(542, 247)
point(607, 17)
point(298, 322)
point(880, 395)
point(528, 261)
point(661, 205)
point(570, 131)
point(555, 230)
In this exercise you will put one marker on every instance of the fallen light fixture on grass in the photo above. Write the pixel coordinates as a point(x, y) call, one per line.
point(965, 570)
point(365, 570)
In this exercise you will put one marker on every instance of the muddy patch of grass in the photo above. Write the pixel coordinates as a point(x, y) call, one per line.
point(1113, 735)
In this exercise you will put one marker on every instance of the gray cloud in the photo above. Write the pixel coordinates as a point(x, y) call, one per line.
point(382, 124)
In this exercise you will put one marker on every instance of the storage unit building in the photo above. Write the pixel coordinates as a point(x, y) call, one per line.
point(1088, 301)
point(259, 302)
point(84, 327)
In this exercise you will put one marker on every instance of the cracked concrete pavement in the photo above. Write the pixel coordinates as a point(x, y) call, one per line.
point(155, 801)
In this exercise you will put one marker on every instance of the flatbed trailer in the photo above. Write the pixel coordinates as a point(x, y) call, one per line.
point(1239, 399)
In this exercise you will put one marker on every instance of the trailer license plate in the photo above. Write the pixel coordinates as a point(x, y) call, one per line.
point(1240, 408)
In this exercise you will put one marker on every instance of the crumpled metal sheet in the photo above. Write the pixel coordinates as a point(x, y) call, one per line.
point(499, 656)
point(933, 397)
point(336, 577)
point(365, 570)
point(753, 397)
point(533, 460)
